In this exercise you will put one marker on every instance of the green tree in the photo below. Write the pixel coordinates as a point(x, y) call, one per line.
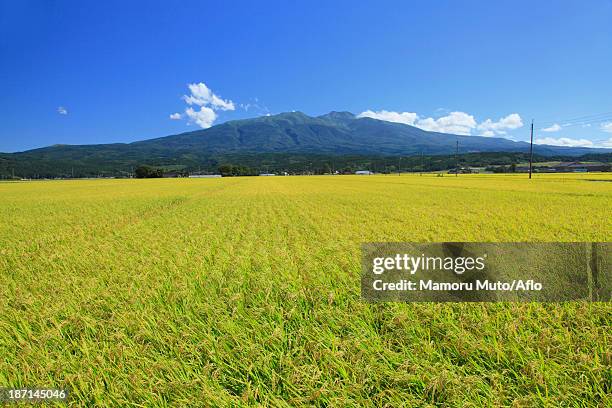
point(148, 172)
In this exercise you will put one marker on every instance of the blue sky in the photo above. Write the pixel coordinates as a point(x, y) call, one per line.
point(81, 72)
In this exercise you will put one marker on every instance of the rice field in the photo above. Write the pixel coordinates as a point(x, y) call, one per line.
point(246, 291)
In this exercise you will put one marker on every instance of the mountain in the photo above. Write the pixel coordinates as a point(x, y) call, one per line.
point(335, 133)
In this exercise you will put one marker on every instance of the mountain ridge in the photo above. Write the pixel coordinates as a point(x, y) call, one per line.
point(341, 133)
point(334, 133)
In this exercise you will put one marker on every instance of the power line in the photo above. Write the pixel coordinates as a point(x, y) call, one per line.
point(457, 159)
point(580, 119)
point(531, 150)
point(583, 123)
point(575, 118)
point(586, 122)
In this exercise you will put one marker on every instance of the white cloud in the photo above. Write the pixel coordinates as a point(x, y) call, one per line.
point(460, 123)
point(564, 141)
point(205, 117)
point(607, 127)
point(456, 122)
point(62, 111)
point(254, 106)
point(201, 95)
point(407, 118)
point(510, 122)
point(209, 103)
point(553, 128)
point(605, 143)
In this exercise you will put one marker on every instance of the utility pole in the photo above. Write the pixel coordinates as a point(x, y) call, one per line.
point(457, 159)
point(531, 150)
point(422, 164)
point(399, 166)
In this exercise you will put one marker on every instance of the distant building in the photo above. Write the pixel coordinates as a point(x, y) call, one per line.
point(267, 174)
point(463, 170)
point(204, 175)
point(578, 167)
point(364, 172)
point(174, 174)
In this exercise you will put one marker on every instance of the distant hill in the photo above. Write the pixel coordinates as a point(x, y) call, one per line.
point(336, 133)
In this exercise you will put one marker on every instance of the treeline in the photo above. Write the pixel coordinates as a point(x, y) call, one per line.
point(347, 164)
point(229, 170)
point(253, 164)
point(158, 172)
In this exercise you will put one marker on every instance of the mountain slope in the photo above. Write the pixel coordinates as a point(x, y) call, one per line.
point(336, 133)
